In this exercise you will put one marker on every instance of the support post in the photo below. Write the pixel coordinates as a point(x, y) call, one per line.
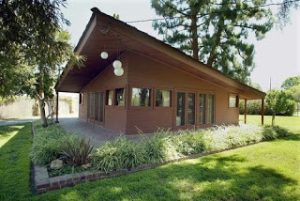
point(56, 112)
point(262, 111)
point(245, 111)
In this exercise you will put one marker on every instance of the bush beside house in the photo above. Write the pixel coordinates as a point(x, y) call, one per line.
point(121, 153)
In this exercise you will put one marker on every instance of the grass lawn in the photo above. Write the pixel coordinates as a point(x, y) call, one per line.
point(265, 171)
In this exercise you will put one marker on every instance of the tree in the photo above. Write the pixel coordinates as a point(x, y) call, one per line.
point(280, 102)
point(215, 32)
point(33, 47)
point(290, 82)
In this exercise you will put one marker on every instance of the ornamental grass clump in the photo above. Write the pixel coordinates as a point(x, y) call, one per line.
point(77, 151)
point(189, 142)
point(119, 153)
point(155, 148)
point(47, 144)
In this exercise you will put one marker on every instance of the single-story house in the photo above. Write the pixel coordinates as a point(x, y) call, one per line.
point(132, 82)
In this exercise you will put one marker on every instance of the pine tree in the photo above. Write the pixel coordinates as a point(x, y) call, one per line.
point(216, 32)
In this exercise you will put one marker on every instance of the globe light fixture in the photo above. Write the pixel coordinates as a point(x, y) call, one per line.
point(104, 55)
point(119, 71)
point(117, 64)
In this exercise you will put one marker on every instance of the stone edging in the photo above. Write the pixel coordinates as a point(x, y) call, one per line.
point(43, 183)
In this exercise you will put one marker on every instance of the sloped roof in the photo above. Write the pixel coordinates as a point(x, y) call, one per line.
point(139, 41)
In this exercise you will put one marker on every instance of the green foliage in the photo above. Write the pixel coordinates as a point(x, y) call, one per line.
point(280, 102)
point(117, 154)
point(253, 107)
point(165, 145)
point(273, 132)
point(7, 100)
point(154, 148)
point(187, 143)
point(290, 82)
point(77, 151)
point(265, 171)
point(48, 143)
point(215, 32)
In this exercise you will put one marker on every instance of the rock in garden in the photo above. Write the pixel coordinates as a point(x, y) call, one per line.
point(86, 166)
point(56, 164)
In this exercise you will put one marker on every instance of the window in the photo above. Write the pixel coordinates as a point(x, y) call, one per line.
point(163, 98)
point(202, 107)
point(233, 101)
point(120, 97)
point(210, 109)
point(140, 97)
point(180, 110)
point(191, 108)
point(109, 97)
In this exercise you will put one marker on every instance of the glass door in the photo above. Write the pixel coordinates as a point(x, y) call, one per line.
point(180, 109)
point(185, 109)
point(99, 105)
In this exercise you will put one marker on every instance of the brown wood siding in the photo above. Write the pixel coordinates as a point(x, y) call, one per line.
point(147, 72)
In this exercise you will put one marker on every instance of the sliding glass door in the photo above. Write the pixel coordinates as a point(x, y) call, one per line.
point(185, 109)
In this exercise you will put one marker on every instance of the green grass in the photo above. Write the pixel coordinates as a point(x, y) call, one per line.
point(265, 171)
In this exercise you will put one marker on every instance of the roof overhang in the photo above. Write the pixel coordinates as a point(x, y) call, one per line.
point(104, 32)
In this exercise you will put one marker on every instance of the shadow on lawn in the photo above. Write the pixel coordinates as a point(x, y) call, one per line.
point(213, 178)
point(6, 131)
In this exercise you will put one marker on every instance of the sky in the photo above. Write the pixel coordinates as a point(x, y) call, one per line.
point(277, 56)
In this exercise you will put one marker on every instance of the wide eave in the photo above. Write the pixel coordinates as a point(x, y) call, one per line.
point(104, 32)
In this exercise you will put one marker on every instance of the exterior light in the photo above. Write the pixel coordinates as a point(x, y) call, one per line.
point(104, 55)
point(117, 64)
point(119, 71)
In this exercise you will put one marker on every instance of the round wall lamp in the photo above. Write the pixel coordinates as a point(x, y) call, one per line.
point(119, 71)
point(117, 64)
point(104, 55)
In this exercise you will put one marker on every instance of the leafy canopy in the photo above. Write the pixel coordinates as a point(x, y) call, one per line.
point(290, 82)
point(280, 102)
point(215, 31)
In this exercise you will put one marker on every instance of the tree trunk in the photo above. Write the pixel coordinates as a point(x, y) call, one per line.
point(194, 31)
point(273, 119)
point(43, 113)
point(217, 39)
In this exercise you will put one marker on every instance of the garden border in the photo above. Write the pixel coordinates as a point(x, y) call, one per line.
point(41, 182)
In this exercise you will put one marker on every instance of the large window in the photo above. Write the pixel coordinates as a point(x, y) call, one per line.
point(202, 107)
point(163, 98)
point(109, 97)
point(120, 97)
point(233, 100)
point(210, 109)
point(191, 108)
point(140, 96)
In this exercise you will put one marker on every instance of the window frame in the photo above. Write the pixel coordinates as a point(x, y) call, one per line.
point(115, 97)
point(236, 97)
point(107, 97)
point(170, 98)
point(150, 104)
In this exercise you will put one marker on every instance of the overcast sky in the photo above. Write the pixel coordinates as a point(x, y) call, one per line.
point(277, 55)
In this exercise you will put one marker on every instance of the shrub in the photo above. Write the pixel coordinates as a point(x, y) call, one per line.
point(154, 148)
point(116, 154)
point(77, 151)
point(188, 143)
point(47, 143)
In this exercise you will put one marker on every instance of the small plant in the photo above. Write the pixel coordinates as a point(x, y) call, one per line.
point(77, 151)
point(154, 149)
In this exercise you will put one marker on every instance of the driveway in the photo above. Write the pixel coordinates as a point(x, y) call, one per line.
point(13, 122)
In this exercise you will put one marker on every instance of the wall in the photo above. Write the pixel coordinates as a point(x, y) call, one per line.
point(143, 71)
point(114, 116)
point(155, 74)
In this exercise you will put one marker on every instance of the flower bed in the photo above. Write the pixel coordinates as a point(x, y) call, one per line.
point(122, 156)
